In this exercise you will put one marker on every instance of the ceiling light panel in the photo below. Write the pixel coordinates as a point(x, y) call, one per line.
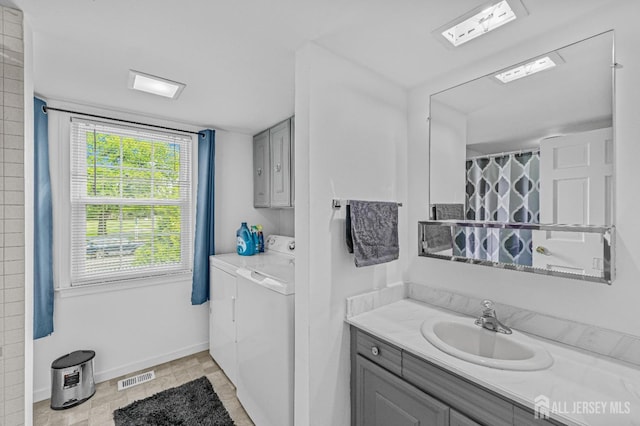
point(480, 21)
point(530, 67)
point(526, 70)
point(156, 85)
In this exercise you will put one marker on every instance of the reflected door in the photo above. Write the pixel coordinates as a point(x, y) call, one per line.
point(576, 186)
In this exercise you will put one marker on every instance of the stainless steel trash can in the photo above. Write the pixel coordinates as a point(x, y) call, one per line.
point(72, 379)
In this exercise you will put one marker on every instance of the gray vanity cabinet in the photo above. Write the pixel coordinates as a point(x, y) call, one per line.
point(472, 400)
point(390, 386)
point(273, 166)
point(457, 419)
point(522, 417)
point(385, 399)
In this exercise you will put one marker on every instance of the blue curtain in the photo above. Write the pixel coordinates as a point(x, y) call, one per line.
point(204, 244)
point(43, 227)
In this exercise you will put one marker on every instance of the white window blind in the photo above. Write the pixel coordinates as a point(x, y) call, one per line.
point(130, 203)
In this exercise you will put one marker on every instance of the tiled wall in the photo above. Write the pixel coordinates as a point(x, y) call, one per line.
point(12, 336)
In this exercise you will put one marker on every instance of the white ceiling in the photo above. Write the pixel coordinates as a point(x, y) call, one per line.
point(576, 95)
point(238, 57)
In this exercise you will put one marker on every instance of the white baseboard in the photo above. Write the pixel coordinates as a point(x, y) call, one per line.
point(101, 376)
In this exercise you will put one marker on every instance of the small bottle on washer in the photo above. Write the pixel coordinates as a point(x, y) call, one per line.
point(254, 235)
point(260, 239)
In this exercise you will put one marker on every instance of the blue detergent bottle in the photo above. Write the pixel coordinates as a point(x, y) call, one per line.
point(245, 244)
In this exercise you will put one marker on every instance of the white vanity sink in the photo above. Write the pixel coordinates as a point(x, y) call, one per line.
point(461, 338)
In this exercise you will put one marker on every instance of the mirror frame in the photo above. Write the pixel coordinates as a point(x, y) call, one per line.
point(608, 244)
point(607, 232)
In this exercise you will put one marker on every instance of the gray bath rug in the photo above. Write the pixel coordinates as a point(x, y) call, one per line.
point(192, 404)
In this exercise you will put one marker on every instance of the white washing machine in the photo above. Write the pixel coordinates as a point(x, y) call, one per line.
point(264, 321)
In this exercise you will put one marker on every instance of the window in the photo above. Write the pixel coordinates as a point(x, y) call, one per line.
point(130, 203)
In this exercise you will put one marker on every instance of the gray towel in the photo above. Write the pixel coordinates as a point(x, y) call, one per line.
point(448, 211)
point(439, 237)
point(372, 232)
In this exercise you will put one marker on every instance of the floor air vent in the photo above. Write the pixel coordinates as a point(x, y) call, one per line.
point(136, 380)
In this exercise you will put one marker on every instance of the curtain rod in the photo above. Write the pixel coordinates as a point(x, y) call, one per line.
point(47, 108)
point(501, 154)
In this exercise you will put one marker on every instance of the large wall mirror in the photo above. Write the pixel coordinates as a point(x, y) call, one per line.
point(529, 144)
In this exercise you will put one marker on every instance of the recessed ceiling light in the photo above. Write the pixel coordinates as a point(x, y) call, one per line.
point(542, 63)
point(526, 70)
point(155, 85)
point(480, 21)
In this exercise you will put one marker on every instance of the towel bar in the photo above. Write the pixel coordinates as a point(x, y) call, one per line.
point(336, 203)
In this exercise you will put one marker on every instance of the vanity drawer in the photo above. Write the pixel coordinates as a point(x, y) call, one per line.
point(522, 417)
point(378, 351)
point(472, 400)
point(457, 419)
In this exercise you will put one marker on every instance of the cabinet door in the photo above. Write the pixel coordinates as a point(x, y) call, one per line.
point(280, 141)
point(478, 403)
point(261, 170)
point(457, 419)
point(384, 399)
point(293, 161)
point(222, 324)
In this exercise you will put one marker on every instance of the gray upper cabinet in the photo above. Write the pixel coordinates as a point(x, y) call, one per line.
point(293, 161)
point(280, 140)
point(261, 170)
point(273, 166)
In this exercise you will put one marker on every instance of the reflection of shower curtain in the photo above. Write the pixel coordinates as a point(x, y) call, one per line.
point(501, 189)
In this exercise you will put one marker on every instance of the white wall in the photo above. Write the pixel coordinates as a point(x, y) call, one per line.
point(447, 171)
point(286, 222)
point(608, 306)
point(135, 328)
point(234, 193)
point(129, 330)
point(350, 144)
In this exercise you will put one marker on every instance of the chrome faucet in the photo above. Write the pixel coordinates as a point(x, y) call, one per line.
point(489, 320)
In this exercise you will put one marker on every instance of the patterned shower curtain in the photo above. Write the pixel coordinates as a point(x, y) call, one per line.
point(501, 189)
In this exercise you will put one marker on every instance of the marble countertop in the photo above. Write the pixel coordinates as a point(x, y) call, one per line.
point(584, 389)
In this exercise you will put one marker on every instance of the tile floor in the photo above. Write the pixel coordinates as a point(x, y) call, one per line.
point(99, 409)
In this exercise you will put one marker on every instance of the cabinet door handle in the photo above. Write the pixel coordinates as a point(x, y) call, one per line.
point(278, 167)
point(543, 250)
point(375, 351)
point(259, 171)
